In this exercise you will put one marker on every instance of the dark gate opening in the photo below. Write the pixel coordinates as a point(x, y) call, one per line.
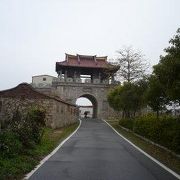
point(93, 100)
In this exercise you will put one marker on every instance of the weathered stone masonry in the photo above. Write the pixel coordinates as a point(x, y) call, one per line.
point(58, 112)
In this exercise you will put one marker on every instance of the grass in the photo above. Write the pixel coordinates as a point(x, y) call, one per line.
point(16, 167)
point(158, 153)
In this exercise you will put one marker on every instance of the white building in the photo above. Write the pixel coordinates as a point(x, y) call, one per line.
point(42, 81)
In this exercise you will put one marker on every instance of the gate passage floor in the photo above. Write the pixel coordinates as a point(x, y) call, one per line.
point(96, 152)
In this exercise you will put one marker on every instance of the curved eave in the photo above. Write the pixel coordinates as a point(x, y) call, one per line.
point(111, 68)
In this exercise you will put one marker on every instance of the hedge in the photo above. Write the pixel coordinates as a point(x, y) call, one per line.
point(127, 123)
point(165, 130)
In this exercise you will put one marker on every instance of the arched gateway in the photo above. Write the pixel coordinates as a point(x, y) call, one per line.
point(85, 76)
point(94, 102)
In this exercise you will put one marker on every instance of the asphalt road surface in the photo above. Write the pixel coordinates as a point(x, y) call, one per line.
point(96, 152)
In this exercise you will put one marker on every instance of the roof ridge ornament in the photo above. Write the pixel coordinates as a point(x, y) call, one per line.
point(78, 56)
point(95, 60)
point(67, 57)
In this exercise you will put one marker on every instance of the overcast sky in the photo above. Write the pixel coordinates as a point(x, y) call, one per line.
point(34, 34)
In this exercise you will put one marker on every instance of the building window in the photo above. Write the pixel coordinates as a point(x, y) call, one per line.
point(44, 79)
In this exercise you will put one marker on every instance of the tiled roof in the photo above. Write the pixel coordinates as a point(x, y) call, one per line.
point(84, 61)
point(26, 91)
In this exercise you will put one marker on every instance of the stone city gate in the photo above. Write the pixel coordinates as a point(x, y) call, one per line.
point(85, 76)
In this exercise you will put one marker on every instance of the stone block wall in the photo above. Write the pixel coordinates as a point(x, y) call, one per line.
point(22, 97)
point(96, 93)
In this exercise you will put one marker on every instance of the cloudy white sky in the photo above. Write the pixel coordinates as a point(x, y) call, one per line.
point(34, 34)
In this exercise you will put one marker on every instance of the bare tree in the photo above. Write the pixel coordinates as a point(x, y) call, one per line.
point(132, 64)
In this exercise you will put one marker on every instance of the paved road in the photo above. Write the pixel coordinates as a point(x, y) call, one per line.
point(96, 152)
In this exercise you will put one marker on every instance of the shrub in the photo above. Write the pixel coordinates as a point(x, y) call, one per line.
point(148, 126)
point(10, 145)
point(170, 133)
point(28, 127)
point(127, 123)
point(35, 118)
point(165, 130)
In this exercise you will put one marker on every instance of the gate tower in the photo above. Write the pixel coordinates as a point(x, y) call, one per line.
point(86, 76)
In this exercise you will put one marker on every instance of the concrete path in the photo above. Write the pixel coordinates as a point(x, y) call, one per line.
point(96, 152)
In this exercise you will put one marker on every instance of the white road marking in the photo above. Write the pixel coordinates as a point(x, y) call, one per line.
point(52, 153)
point(150, 157)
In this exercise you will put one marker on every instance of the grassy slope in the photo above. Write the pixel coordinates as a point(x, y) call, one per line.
point(160, 154)
point(16, 167)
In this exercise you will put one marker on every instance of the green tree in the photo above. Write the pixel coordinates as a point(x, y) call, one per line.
point(155, 95)
point(126, 98)
point(168, 69)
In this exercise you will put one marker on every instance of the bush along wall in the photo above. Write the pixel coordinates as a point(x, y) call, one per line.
point(165, 130)
point(22, 132)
